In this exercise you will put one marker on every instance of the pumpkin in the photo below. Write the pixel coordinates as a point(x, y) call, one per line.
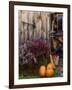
point(42, 70)
point(49, 72)
point(50, 66)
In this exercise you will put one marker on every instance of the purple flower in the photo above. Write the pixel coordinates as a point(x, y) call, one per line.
point(30, 50)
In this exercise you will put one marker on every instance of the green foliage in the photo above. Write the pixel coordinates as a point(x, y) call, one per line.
point(28, 76)
point(55, 73)
point(42, 60)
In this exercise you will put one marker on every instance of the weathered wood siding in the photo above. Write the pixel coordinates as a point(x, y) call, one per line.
point(33, 25)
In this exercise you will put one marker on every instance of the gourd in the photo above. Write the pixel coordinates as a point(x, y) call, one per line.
point(49, 72)
point(50, 68)
point(42, 70)
point(51, 65)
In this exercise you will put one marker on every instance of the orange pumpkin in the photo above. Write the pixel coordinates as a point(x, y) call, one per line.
point(42, 70)
point(49, 72)
point(50, 66)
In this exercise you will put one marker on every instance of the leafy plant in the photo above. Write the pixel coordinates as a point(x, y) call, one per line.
point(32, 51)
point(40, 48)
point(25, 56)
point(32, 54)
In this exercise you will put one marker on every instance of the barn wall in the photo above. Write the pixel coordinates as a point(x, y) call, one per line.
point(33, 25)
